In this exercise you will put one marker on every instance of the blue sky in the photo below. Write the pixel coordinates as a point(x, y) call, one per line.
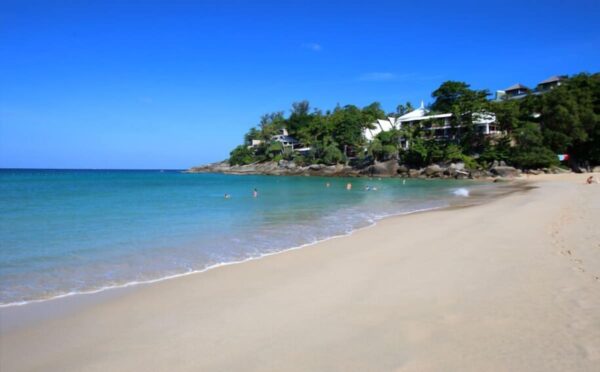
point(171, 84)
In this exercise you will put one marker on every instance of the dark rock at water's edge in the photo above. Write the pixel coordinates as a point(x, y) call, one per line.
point(389, 168)
point(382, 169)
point(281, 168)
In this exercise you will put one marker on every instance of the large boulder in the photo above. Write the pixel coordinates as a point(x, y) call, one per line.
point(477, 173)
point(461, 174)
point(505, 171)
point(287, 164)
point(453, 169)
point(385, 168)
point(414, 173)
point(402, 169)
point(434, 170)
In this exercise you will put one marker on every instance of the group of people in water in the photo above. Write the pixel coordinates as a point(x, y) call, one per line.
point(327, 184)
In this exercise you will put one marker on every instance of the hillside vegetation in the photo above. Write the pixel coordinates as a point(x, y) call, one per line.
point(564, 120)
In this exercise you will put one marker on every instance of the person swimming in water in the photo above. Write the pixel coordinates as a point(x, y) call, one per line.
point(348, 186)
point(255, 193)
point(227, 196)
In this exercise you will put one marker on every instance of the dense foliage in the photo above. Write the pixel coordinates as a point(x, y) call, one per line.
point(565, 119)
point(332, 136)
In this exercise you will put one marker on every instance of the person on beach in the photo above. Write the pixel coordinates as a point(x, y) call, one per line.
point(255, 193)
point(348, 186)
point(590, 180)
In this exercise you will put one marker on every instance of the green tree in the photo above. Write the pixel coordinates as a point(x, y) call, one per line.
point(241, 155)
point(451, 93)
point(404, 109)
point(274, 149)
point(530, 152)
point(508, 114)
point(271, 124)
point(570, 117)
point(347, 127)
point(332, 155)
point(466, 106)
point(418, 153)
point(299, 118)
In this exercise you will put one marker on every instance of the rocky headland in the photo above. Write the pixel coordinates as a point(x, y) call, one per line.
point(389, 168)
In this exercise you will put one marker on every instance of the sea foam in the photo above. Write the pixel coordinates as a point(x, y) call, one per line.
point(461, 192)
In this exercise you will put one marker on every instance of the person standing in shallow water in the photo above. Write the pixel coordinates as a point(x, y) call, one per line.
point(348, 186)
point(255, 193)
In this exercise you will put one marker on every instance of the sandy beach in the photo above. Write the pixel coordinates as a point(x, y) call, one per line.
point(511, 285)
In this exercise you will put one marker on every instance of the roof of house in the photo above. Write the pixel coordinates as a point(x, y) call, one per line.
point(283, 138)
point(515, 87)
point(416, 113)
point(552, 79)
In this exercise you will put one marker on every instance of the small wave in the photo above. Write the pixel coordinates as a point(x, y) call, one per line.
point(370, 223)
point(461, 192)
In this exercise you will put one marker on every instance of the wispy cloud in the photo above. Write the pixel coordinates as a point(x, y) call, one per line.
point(378, 76)
point(315, 47)
point(146, 99)
point(391, 76)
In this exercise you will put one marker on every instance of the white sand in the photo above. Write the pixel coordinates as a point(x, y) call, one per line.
point(512, 285)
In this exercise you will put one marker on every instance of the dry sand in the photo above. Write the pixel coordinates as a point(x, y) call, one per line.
point(512, 285)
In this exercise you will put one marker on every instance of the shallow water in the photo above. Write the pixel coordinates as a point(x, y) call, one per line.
point(74, 231)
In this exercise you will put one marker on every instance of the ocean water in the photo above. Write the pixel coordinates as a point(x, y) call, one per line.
point(64, 232)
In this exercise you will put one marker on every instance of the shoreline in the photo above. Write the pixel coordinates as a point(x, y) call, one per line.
point(327, 289)
point(475, 198)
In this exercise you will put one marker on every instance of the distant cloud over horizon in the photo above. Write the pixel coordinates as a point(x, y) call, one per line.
point(315, 47)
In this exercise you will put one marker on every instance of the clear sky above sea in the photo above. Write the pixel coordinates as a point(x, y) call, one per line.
point(171, 84)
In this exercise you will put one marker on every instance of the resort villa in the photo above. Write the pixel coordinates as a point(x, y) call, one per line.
point(438, 126)
point(285, 139)
point(518, 91)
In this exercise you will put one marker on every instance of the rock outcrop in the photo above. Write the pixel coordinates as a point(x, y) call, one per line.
point(281, 168)
point(433, 170)
point(505, 171)
point(382, 169)
point(389, 168)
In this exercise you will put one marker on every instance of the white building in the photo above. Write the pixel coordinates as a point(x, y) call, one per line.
point(380, 125)
point(255, 143)
point(438, 125)
point(285, 139)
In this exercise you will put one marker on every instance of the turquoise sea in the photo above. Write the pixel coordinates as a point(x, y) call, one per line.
point(64, 232)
